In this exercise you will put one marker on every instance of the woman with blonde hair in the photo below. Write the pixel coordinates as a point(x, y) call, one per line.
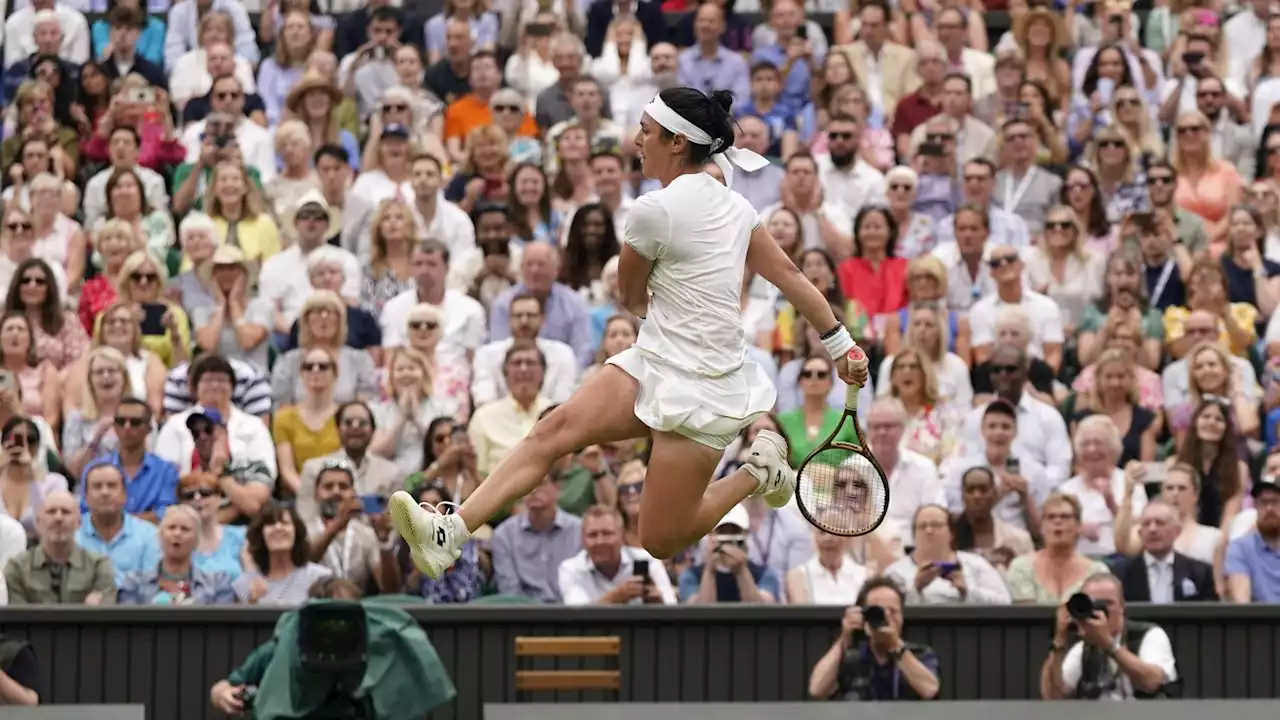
point(120, 329)
point(89, 431)
point(1061, 267)
point(113, 241)
point(141, 284)
point(927, 333)
point(407, 410)
point(280, 72)
point(59, 239)
point(1211, 373)
point(424, 328)
point(296, 178)
point(916, 236)
point(932, 419)
point(307, 429)
point(1115, 159)
point(197, 239)
point(37, 381)
point(1132, 118)
point(240, 216)
point(1207, 186)
point(927, 283)
point(320, 105)
point(390, 271)
point(1114, 395)
point(482, 175)
point(323, 324)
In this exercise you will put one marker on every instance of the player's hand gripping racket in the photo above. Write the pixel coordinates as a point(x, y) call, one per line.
point(840, 487)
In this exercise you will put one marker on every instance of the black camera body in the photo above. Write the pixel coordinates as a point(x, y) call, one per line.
point(246, 695)
point(1083, 607)
point(874, 617)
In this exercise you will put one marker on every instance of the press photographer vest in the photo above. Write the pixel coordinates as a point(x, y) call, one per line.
point(1095, 666)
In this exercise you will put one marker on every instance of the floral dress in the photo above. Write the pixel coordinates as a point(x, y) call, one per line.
point(64, 348)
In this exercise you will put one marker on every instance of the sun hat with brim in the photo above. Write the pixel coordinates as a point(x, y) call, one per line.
point(311, 81)
point(1022, 27)
point(228, 255)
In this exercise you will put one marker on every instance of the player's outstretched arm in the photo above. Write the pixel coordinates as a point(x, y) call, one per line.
point(765, 258)
point(633, 281)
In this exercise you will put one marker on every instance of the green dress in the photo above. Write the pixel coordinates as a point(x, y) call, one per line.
point(792, 424)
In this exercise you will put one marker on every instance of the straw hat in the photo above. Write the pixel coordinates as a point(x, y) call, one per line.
point(311, 81)
point(1034, 15)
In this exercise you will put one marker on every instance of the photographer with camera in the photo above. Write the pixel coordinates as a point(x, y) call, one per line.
point(726, 575)
point(1114, 658)
point(870, 661)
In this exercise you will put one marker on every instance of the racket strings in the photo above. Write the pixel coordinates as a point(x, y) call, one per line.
point(843, 492)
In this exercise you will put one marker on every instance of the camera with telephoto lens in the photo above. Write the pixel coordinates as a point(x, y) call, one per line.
point(246, 695)
point(1083, 607)
point(874, 617)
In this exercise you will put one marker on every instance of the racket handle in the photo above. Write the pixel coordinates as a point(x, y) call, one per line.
point(851, 394)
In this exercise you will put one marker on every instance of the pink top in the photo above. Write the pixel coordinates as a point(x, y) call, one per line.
point(1210, 196)
point(65, 347)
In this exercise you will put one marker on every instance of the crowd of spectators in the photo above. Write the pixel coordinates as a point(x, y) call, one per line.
point(261, 270)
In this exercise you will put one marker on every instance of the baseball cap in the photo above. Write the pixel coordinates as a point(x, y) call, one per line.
point(737, 516)
point(1266, 482)
point(396, 130)
point(210, 415)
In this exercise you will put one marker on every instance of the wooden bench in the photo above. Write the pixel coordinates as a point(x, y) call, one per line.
point(568, 647)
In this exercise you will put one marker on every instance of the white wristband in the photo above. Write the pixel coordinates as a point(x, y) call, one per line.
point(840, 344)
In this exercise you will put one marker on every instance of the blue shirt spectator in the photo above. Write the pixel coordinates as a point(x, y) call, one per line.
point(274, 84)
point(779, 119)
point(1253, 559)
point(184, 18)
point(226, 558)
point(726, 70)
point(766, 579)
point(795, 85)
point(133, 546)
point(143, 587)
point(152, 488)
point(150, 45)
point(565, 318)
point(526, 557)
point(484, 32)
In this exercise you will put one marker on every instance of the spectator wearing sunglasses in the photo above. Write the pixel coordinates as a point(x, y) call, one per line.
point(151, 482)
point(1046, 317)
point(218, 437)
point(374, 475)
point(221, 546)
point(289, 277)
point(105, 528)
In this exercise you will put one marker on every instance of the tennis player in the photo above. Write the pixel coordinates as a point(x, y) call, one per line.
point(685, 381)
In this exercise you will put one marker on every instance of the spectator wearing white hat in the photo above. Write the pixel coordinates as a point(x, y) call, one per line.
point(726, 575)
point(238, 323)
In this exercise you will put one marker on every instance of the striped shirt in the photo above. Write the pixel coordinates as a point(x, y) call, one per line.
point(252, 394)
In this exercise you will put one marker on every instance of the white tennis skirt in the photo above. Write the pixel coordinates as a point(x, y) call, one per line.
point(709, 410)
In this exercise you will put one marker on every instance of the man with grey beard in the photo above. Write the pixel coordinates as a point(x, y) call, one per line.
point(1253, 560)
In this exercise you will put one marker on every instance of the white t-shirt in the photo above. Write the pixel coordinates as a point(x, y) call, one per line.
point(285, 280)
point(1094, 511)
point(1046, 321)
point(696, 232)
point(465, 325)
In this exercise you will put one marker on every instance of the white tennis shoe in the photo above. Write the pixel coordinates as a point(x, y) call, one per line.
point(434, 538)
point(768, 464)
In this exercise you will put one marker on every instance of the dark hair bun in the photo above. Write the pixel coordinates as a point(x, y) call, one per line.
point(724, 99)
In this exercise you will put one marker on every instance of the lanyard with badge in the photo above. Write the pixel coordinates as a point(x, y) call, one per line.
point(345, 565)
point(1161, 283)
point(1014, 194)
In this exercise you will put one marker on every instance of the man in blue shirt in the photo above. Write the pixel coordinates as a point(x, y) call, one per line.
point(150, 483)
point(107, 529)
point(1253, 560)
point(767, 105)
point(794, 54)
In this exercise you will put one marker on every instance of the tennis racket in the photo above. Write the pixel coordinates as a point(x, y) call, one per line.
point(841, 489)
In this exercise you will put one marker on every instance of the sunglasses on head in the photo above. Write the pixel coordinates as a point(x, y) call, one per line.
point(129, 422)
point(999, 262)
point(203, 492)
point(423, 325)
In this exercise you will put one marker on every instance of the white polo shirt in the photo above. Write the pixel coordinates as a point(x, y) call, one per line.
point(1046, 321)
point(464, 324)
point(582, 583)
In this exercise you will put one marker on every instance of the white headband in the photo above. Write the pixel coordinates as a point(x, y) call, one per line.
point(673, 122)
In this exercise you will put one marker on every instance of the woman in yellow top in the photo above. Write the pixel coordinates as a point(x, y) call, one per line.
point(1207, 290)
point(308, 430)
point(240, 216)
point(141, 284)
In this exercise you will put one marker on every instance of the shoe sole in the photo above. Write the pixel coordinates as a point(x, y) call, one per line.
point(402, 506)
